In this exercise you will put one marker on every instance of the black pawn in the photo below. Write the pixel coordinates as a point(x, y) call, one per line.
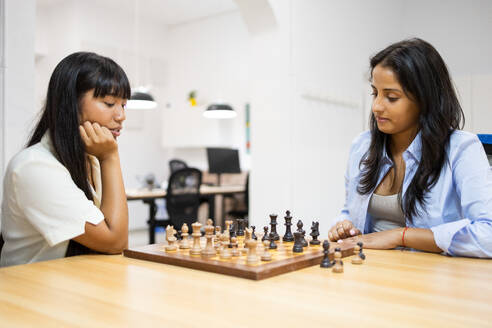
point(314, 233)
point(273, 226)
point(361, 255)
point(303, 233)
point(297, 243)
point(253, 233)
point(265, 233)
point(240, 227)
point(288, 233)
point(325, 262)
point(272, 241)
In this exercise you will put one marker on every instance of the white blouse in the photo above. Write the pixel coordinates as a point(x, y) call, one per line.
point(42, 207)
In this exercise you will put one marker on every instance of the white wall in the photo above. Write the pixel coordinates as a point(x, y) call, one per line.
point(16, 72)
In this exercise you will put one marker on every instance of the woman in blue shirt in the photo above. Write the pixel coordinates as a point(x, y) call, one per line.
point(415, 180)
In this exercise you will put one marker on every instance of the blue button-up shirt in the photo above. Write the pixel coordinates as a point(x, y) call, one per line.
point(458, 209)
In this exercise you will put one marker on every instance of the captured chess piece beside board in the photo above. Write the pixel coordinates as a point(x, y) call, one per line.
point(243, 252)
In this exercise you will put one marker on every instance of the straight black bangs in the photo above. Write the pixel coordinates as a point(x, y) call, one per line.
point(111, 81)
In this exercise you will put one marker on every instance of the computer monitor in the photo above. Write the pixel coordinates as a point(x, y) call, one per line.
point(223, 160)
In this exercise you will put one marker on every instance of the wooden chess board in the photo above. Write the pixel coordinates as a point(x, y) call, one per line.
point(283, 259)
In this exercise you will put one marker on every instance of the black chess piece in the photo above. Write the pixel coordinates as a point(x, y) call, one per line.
point(314, 233)
point(273, 226)
point(288, 233)
point(325, 262)
point(297, 243)
point(265, 233)
point(253, 233)
point(271, 237)
point(303, 233)
point(361, 255)
point(240, 227)
point(232, 231)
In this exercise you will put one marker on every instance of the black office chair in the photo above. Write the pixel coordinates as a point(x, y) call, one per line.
point(176, 164)
point(242, 214)
point(183, 196)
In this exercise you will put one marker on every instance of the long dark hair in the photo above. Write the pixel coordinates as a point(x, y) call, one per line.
point(424, 77)
point(72, 78)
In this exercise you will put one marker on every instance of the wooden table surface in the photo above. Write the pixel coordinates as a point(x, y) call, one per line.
point(132, 194)
point(392, 289)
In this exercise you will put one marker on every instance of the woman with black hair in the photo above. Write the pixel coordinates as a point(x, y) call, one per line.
point(64, 193)
point(415, 180)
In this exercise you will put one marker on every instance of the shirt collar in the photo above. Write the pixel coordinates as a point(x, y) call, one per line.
point(414, 150)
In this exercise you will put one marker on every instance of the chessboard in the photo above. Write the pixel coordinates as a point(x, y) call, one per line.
point(283, 259)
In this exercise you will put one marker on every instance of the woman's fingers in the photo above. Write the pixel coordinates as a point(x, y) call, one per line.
point(342, 230)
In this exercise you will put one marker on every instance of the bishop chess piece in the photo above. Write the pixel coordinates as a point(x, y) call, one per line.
point(209, 249)
point(266, 256)
point(361, 255)
point(357, 259)
point(265, 233)
point(273, 226)
point(252, 256)
point(271, 237)
point(325, 262)
point(303, 233)
point(240, 227)
point(288, 236)
point(314, 233)
point(196, 249)
point(184, 244)
point(338, 264)
point(171, 239)
point(297, 243)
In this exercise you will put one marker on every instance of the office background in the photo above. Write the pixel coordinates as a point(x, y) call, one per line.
point(302, 66)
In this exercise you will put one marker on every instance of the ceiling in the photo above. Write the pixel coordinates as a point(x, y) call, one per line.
point(169, 12)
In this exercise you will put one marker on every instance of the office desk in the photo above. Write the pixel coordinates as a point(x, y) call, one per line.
point(392, 289)
point(149, 197)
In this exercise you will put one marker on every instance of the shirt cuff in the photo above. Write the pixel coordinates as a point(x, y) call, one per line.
point(444, 233)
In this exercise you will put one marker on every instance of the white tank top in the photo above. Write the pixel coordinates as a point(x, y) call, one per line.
point(386, 213)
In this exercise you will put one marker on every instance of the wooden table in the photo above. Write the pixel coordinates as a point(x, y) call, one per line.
point(392, 289)
point(149, 197)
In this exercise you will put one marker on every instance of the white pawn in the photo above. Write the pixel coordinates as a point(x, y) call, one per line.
point(266, 256)
point(225, 252)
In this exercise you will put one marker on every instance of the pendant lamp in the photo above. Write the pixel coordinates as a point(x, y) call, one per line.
point(220, 111)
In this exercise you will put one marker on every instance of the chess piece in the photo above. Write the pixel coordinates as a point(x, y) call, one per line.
point(325, 262)
point(184, 237)
point(171, 239)
point(303, 233)
point(232, 231)
point(297, 243)
point(217, 234)
point(228, 224)
point(240, 227)
point(266, 256)
point(361, 255)
point(314, 233)
point(273, 226)
point(209, 249)
point(338, 264)
point(253, 234)
point(252, 256)
point(225, 253)
point(271, 237)
point(288, 233)
point(235, 251)
point(196, 249)
point(357, 259)
point(265, 233)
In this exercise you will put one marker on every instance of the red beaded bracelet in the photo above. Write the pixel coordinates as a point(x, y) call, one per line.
point(403, 237)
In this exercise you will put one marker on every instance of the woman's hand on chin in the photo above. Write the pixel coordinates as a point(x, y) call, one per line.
point(98, 140)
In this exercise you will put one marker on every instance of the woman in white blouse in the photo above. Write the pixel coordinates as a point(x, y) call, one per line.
point(64, 194)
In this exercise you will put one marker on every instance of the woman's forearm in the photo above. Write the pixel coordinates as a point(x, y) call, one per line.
point(419, 238)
